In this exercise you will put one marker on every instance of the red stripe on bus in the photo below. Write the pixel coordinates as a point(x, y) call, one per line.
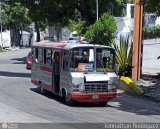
point(89, 97)
point(49, 44)
point(44, 68)
point(48, 87)
point(35, 82)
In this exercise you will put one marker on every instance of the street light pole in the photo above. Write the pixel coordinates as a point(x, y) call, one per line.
point(111, 8)
point(97, 8)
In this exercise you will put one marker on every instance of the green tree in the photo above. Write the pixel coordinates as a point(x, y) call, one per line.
point(152, 6)
point(77, 25)
point(87, 10)
point(36, 12)
point(49, 12)
point(14, 15)
point(102, 32)
point(59, 12)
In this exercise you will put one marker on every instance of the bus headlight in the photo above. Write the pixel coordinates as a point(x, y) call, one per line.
point(75, 87)
point(81, 87)
point(78, 87)
point(112, 87)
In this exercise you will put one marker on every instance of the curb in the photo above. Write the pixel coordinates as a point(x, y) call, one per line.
point(130, 88)
point(127, 84)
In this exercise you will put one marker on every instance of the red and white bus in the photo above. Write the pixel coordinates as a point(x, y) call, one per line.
point(77, 72)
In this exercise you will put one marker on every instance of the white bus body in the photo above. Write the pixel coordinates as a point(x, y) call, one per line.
point(87, 71)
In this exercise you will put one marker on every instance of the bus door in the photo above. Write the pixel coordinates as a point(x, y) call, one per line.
point(56, 71)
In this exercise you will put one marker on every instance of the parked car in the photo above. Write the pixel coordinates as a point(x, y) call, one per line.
point(29, 61)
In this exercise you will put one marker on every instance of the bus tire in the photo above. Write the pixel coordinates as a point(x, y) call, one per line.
point(102, 104)
point(68, 100)
point(42, 90)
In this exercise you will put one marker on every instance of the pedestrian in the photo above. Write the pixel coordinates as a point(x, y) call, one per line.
point(56, 68)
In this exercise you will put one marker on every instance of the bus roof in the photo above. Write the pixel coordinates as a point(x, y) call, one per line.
point(65, 45)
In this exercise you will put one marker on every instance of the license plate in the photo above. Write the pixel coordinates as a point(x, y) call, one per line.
point(95, 97)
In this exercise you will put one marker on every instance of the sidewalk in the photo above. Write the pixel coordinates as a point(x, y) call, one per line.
point(150, 83)
point(150, 71)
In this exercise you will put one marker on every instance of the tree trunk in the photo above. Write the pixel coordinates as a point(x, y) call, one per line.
point(38, 31)
point(15, 37)
point(58, 31)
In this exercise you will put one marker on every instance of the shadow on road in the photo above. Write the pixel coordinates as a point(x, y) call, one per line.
point(13, 74)
point(123, 103)
point(19, 60)
point(136, 105)
point(49, 95)
point(59, 99)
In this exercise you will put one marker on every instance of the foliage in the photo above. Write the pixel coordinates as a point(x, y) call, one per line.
point(76, 26)
point(14, 15)
point(152, 6)
point(102, 32)
point(151, 32)
point(61, 11)
point(52, 12)
point(124, 56)
point(87, 10)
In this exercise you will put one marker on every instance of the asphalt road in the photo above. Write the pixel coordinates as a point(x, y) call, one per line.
point(21, 102)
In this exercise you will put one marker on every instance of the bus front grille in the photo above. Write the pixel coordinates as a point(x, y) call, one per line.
point(96, 87)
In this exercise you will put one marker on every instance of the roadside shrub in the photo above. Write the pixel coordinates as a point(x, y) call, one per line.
point(102, 32)
point(152, 32)
point(124, 56)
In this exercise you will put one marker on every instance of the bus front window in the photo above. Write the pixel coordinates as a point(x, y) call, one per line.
point(82, 59)
point(104, 59)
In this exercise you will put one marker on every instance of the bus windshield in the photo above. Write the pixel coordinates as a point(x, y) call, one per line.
point(82, 59)
point(104, 59)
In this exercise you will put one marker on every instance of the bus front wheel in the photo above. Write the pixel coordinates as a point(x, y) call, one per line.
point(103, 104)
point(68, 100)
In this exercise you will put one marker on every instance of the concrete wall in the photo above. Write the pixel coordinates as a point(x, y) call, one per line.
point(151, 50)
point(6, 40)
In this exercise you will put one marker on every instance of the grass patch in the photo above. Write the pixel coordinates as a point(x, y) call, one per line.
point(2, 50)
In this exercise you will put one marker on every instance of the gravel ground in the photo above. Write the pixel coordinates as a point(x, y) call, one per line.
point(151, 86)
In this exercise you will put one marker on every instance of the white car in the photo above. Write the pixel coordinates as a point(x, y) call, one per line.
point(73, 40)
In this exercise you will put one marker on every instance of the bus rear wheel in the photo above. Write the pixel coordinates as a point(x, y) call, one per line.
point(43, 91)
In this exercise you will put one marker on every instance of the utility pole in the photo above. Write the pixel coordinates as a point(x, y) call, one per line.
point(1, 22)
point(33, 35)
point(137, 40)
point(97, 8)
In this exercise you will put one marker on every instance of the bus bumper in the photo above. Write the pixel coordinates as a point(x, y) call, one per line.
point(93, 97)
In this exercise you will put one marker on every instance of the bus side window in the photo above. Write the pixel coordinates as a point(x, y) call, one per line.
point(40, 56)
point(48, 57)
point(65, 61)
point(35, 55)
